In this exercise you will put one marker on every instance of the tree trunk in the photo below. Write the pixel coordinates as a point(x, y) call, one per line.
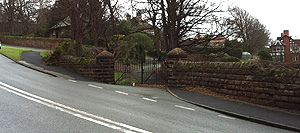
point(77, 28)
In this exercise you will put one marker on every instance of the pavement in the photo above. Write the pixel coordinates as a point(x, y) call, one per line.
point(241, 110)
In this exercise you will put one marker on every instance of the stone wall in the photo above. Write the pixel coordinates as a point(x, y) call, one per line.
point(243, 81)
point(35, 42)
point(100, 69)
point(254, 82)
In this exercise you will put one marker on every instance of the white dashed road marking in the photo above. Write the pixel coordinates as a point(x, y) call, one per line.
point(184, 107)
point(148, 99)
point(94, 86)
point(72, 80)
point(120, 92)
point(226, 117)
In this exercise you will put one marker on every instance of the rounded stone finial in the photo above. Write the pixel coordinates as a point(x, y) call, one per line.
point(177, 53)
point(105, 53)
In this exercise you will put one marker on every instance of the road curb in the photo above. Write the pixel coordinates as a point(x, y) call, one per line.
point(39, 69)
point(240, 116)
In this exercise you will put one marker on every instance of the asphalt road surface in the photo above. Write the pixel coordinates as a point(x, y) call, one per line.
point(36, 102)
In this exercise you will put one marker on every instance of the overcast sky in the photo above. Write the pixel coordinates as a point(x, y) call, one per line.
point(277, 15)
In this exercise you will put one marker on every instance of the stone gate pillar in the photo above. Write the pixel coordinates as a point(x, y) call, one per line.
point(105, 67)
point(173, 57)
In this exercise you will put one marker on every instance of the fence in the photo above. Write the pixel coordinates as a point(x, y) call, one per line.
point(135, 72)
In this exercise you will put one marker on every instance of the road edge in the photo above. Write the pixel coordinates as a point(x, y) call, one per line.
point(240, 116)
point(39, 69)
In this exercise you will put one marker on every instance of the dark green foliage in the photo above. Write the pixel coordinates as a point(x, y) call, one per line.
point(42, 32)
point(125, 28)
point(6, 34)
point(135, 47)
point(19, 34)
point(235, 52)
point(164, 55)
point(234, 48)
point(265, 55)
point(233, 44)
point(297, 65)
point(52, 59)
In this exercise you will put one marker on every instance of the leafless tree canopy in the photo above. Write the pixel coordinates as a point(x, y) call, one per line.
point(254, 35)
point(90, 19)
point(179, 19)
point(21, 12)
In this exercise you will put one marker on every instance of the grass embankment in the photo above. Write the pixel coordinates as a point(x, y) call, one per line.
point(45, 53)
point(14, 53)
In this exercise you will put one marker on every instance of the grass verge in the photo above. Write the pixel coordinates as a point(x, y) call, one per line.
point(45, 53)
point(14, 53)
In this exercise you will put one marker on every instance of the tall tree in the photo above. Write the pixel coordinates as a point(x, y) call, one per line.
point(90, 19)
point(253, 34)
point(179, 19)
point(19, 13)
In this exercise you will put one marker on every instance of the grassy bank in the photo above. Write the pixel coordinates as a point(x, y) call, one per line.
point(14, 53)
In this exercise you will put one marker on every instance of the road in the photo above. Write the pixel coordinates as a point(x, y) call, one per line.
point(36, 102)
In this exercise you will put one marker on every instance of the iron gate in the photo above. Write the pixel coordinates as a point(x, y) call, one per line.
point(133, 72)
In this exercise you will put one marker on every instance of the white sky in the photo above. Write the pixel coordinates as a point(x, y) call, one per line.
point(276, 15)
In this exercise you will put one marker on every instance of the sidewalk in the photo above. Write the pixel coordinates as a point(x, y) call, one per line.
point(33, 60)
point(240, 110)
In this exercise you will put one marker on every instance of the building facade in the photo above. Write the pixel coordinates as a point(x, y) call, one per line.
point(286, 49)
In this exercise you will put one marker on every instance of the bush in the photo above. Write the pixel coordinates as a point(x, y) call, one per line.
point(235, 52)
point(53, 57)
point(265, 55)
point(297, 65)
point(42, 32)
point(19, 34)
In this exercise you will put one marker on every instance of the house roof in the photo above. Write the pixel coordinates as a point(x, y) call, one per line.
point(219, 39)
point(212, 38)
point(64, 23)
point(278, 43)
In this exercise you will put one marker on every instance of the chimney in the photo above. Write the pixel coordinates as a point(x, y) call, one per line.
point(287, 52)
point(286, 32)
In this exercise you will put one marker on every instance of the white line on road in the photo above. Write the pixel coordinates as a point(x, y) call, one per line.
point(72, 111)
point(148, 99)
point(95, 86)
point(226, 117)
point(184, 107)
point(120, 92)
point(72, 80)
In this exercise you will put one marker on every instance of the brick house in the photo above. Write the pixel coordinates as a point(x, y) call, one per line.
point(286, 49)
point(60, 30)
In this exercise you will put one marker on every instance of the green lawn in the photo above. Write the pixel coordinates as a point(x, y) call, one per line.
point(14, 53)
point(45, 53)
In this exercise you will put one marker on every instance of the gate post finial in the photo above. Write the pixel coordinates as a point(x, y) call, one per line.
point(105, 67)
point(173, 57)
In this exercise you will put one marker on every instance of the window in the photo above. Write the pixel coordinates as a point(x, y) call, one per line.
point(295, 58)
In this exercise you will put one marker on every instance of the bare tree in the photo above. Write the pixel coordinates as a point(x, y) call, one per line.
point(90, 19)
point(253, 34)
point(180, 19)
point(21, 14)
point(18, 12)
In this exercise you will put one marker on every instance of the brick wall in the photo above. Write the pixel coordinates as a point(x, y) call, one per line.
point(243, 81)
point(35, 42)
point(100, 69)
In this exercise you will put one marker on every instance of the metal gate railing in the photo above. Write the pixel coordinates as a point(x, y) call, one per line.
point(149, 72)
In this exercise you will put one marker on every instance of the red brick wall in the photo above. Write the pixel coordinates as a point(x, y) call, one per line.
point(35, 42)
point(244, 81)
point(103, 71)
